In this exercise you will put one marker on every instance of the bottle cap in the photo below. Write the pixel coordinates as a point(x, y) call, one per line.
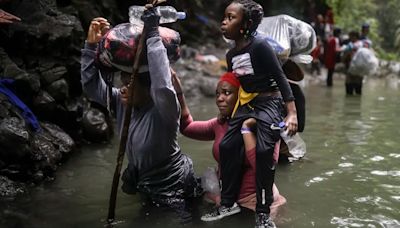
point(181, 15)
point(282, 124)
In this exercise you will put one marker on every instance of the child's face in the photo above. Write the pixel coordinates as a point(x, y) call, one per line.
point(232, 22)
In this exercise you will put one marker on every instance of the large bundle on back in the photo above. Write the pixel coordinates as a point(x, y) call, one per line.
point(290, 37)
point(116, 50)
point(363, 62)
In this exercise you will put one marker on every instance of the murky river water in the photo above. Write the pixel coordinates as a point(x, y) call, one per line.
point(349, 178)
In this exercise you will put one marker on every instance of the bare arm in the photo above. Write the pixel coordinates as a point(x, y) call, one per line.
point(7, 18)
point(291, 117)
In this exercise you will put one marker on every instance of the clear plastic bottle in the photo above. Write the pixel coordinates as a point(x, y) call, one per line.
point(296, 145)
point(168, 14)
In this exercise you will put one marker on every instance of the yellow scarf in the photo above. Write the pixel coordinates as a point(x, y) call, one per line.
point(243, 98)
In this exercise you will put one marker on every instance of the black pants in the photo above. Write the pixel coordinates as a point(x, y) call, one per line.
point(353, 87)
point(329, 79)
point(267, 111)
point(353, 84)
point(300, 103)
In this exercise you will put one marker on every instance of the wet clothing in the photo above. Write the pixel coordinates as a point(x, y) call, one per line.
point(353, 84)
point(156, 167)
point(267, 111)
point(258, 70)
point(213, 130)
point(330, 58)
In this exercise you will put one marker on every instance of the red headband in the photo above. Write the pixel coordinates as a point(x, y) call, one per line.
point(230, 78)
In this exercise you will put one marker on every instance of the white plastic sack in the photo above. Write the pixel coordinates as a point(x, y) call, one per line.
point(294, 36)
point(364, 62)
point(210, 181)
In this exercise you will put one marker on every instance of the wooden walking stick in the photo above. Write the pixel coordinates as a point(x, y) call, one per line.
point(125, 129)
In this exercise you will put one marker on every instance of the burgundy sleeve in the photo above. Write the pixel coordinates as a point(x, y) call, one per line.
point(200, 130)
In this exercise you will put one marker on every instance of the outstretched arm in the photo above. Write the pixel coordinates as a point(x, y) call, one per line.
point(200, 130)
point(161, 91)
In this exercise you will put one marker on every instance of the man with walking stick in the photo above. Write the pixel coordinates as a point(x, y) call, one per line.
point(157, 169)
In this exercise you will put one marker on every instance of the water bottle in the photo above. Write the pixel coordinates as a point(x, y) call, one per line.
point(296, 145)
point(168, 14)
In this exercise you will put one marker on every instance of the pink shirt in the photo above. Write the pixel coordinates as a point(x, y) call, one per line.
point(212, 130)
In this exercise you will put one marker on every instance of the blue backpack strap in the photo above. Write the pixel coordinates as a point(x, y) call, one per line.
point(28, 115)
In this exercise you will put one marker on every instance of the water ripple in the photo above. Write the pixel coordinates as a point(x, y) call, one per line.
point(329, 173)
point(394, 155)
point(375, 221)
point(315, 180)
point(386, 173)
point(396, 198)
point(346, 165)
point(375, 201)
point(377, 158)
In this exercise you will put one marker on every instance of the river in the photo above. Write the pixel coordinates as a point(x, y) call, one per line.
point(350, 176)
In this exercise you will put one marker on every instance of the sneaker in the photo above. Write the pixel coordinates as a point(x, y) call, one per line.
point(221, 212)
point(264, 221)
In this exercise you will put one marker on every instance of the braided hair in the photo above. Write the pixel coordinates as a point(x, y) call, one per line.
point(251, 11)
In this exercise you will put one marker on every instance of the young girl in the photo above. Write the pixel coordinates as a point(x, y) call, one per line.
point(262, 83)
point(215, 129)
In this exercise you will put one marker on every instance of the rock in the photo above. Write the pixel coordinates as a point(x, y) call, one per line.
point(14, 139)
point(44, 106)
point(95, 126)
point(45, 30)
point(9, 188)
point(59, 90)
point(45, 156)
point(61, 140)
point(49, 76)
point(11, 70)
point(208, 85)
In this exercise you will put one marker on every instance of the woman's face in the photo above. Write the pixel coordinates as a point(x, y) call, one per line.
point(226, 96)
point(232, 21)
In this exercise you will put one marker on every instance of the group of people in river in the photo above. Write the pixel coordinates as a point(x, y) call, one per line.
point(252, 96)
point(332, 48)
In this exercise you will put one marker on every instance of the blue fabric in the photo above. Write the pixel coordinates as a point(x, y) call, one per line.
point(26, 112)
point(274, 44)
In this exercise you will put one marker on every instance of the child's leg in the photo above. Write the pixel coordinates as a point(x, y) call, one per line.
point(231, 163)
point(270, 113)
point(231, 154)
point(265, 169)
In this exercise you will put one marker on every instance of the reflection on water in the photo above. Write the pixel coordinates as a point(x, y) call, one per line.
point(349, 178)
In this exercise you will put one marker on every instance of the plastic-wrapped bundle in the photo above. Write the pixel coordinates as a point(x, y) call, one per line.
point(297, 38)
point(363, 62)
point(210, 181)
point(116, 50)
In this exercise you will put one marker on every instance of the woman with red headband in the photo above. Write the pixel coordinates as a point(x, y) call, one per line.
point(215, 129)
